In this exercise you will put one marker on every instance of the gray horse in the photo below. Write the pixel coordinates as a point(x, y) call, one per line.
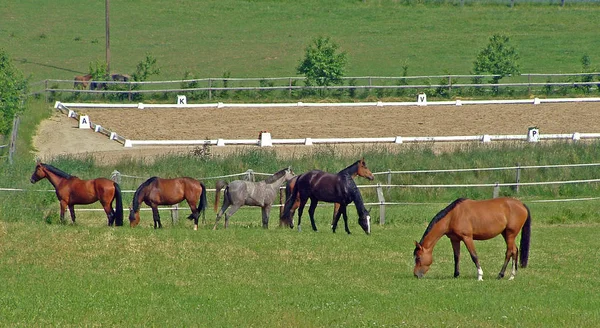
point(239, 193)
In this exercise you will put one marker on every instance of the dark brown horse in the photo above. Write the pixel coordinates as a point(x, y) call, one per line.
point(82, 81)
point(72, 191)
point(289, 186)
point(157, 191)
point(467, 220)
point(337, 188)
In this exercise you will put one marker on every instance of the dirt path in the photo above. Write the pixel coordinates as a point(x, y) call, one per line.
point(60, 135)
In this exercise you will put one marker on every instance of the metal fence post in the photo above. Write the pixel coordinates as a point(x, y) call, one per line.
point(496, 191)
point(381, 204)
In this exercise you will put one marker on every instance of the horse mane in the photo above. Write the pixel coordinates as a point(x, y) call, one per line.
point(351, 169)
point(136, 201)
point(441, 214)
point(276, 176)
point(355, 195)
point(57, 171)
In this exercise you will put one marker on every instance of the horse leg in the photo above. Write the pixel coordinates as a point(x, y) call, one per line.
point(456, 249)
point(311, 213)
point(266, 211)
point(72, 211)
point(195, 213)
point(336, 218)
point(471, 247)
point(226, 204)
point(345, 215)
point(300, 211)
point(511, 252)
point(156, 217)
point(230, 213)
point(110, 214)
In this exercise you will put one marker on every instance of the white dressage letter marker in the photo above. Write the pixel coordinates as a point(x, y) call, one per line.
point(181, 100)
point(84, 122)
point(533, 135)
point(265, 140)
point(422, 99)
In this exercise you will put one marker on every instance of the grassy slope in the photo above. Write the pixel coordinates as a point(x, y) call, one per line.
point(267, 38)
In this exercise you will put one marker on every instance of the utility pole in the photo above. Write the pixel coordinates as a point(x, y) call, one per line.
point(107, 6)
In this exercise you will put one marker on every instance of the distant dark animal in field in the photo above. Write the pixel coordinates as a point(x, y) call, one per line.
point(239, 193)
point(157, 191)
point(120, 77)
point(337, 188)
point(81, 81)
point(467, 220)
point(72, 191)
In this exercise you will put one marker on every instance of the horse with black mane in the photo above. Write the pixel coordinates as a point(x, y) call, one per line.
point(72, 191)
point(289, 186)
point(158, 191)
point(337, 188)
point(467, 220)
point(239, 193)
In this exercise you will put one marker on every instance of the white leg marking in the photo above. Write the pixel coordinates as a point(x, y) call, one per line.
point(368, 224)
point(480, 274)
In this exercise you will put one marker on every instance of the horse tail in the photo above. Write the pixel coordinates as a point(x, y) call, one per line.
point(118, 206)
point(218, 186)
point(202, 203)
point(525, 239)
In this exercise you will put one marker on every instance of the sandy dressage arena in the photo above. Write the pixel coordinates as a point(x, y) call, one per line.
point(60, 135)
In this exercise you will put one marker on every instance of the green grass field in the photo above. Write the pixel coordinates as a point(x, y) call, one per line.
point(268, 38)
point(87, 274)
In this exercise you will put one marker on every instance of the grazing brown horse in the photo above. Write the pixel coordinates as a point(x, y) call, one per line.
point(82, 81)
point(72, 191)
point(467, 220)
point(157, 191)
point(337, 188)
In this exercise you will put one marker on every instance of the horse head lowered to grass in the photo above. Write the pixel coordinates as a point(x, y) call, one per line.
point(72, 191)
point(467, 220)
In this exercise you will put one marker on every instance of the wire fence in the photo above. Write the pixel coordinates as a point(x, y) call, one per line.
point(381, 201)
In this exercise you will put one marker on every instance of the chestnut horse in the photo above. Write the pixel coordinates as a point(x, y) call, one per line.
point(467, 220)
point(82, 81)
point(157, 191)
point(333, 188)
point(72, 191)
point(239, 193)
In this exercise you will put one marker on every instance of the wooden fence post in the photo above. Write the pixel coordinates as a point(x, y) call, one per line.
point(381, 204)
point(13, 139)
point(116, 176)
point(175, 214)
point(250, 175)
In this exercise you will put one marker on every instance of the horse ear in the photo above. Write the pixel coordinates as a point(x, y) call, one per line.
point(418, 245)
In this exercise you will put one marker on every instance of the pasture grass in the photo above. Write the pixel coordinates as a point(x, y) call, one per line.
point(268, 38)
point(87, 274)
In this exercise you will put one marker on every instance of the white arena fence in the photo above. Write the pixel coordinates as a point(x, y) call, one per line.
point(266, 139)
point(381, 201)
